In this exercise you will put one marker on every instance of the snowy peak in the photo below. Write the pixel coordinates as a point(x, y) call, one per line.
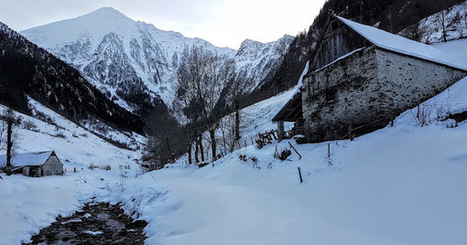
point(107, 11)
point(252, 49)
point(260, 60)
point(92, 26)
point(249, 48)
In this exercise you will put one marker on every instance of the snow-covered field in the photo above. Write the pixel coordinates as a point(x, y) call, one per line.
point(399, 185)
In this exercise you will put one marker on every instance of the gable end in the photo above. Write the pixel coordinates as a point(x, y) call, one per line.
point(337, 40)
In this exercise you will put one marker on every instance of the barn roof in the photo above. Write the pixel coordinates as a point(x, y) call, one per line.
point(27, 159)
point(398, 44)
point(291, 111)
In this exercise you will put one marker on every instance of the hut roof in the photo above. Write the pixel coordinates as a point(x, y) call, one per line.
point(27, 159)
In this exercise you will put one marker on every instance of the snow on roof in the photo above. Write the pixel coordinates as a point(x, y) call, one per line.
point(30, 159)
point(395, 43)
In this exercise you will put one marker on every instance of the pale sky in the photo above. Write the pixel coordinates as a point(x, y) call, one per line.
point(224, 23)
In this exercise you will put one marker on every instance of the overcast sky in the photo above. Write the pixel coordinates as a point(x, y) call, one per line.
point(221, 22)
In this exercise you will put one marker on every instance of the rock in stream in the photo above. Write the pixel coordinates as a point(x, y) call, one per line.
point(95, 223)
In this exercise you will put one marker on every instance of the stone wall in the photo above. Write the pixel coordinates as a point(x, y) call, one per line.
point(368, 88)
point(409, 81)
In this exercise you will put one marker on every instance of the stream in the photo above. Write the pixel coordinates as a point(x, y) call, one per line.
point(95, 223)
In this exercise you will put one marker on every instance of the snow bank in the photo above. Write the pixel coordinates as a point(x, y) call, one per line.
point(401, 185)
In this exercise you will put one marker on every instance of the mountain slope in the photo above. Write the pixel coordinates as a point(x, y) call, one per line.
point(135, 63)
point(27, 70)
point(445, 25)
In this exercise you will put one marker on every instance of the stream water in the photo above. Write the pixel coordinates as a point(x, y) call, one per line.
point(95, 223)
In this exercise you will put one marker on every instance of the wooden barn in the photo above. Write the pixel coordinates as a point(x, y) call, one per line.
point(35, 164)
point(361, 77)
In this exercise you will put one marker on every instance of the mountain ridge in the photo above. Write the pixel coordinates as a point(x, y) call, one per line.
point(134, 63)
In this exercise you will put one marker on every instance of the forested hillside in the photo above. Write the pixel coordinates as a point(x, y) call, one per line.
point(27, 70)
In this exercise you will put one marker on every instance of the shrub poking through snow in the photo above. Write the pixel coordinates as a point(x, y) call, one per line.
point(60, 135)
point(282, 154)
point(243, 158)
point(254, 160)
point(422, 114)
point(29, 125)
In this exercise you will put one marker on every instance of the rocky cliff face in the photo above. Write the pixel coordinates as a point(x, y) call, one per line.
point(135, 63)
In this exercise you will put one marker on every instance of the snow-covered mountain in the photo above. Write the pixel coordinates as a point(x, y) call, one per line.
point(29, 71)
point(135, 63)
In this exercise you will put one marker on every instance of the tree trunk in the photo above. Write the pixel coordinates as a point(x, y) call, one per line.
point(9, 146)
point(443, 20)
point(201, 148)
point(196, 151)
point(213, 143)
point(189, 154)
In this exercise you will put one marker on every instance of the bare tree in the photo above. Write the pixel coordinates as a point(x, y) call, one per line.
point(227, 128)
point(202, 77)
point(441, 19)
point(221, 73)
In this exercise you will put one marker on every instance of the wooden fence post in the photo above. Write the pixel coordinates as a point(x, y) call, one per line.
point(300, 156)
point(300, 175)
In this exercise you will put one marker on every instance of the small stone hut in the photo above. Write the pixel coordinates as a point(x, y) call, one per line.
point(35, 164)
point(361, 77)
